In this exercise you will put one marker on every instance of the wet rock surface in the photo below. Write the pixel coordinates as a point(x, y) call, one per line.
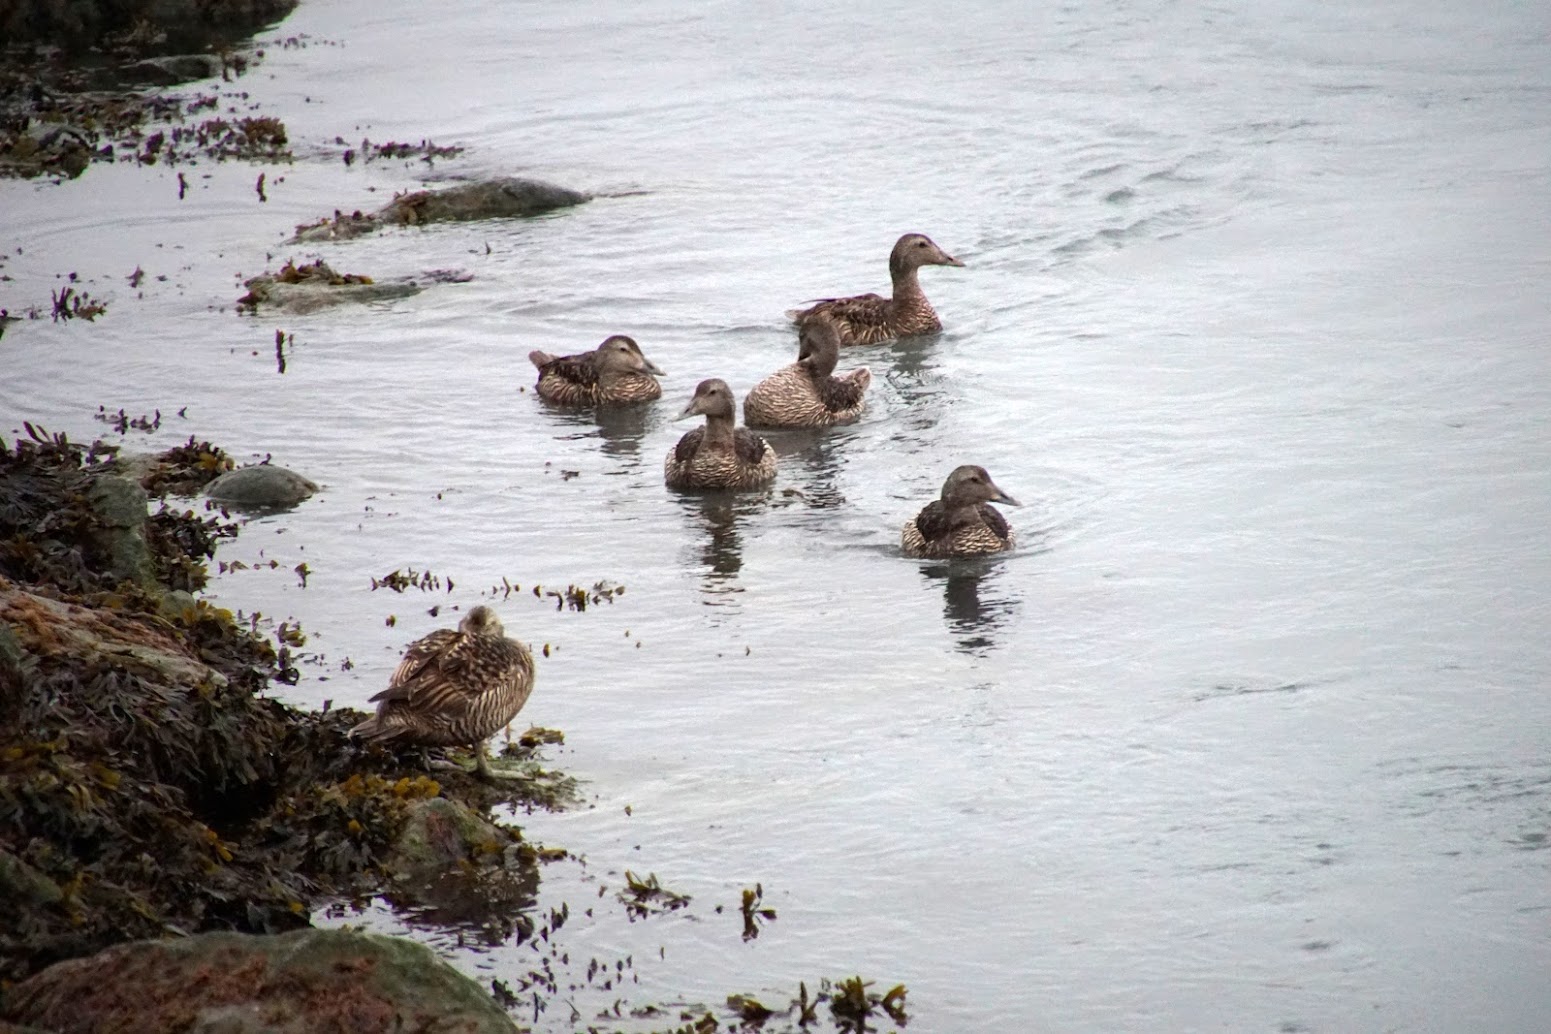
point(505, 198)
point(306, 982)
point(314, 286)
point(261, 486)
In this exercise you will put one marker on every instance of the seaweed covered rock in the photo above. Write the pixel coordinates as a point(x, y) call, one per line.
point(306, 982)
point(178, 24)
point(504, 198)
point(147, 784)
point(315, 285)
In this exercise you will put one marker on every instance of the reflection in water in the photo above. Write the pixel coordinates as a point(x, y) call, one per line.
point(976, 614)
point(493, 904)
point(812, 456)
point(622, 428)
point(619, 429)
point(720, 553)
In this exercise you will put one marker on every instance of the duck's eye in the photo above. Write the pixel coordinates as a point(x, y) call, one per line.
point(920, 244)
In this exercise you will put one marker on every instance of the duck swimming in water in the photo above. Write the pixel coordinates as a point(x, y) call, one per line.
point(614, 373)
point(718, 455)
point(807, 393)
point(454, 688)
point(867, 319)
point(960, 523)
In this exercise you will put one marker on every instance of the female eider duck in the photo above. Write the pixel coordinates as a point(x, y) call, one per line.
point(960, 523)
point(614, 373)
point(454, 688)
point(869, 318)
point(718, 455)
point(807, 393)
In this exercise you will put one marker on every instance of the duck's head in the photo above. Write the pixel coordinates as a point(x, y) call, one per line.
point(970, 485)
point(819, 345)
point(713, 398)
point(914, 250)
point(620, 353)
point(481, 621)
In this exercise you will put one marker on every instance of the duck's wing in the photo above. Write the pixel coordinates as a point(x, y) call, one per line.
point(842, 393)
point(858, 310)
point(688, 445)
point(995, 521)
point(577, 369)
point(932, 521)
point(421, 657)
point(750, 446)
point(445, 676)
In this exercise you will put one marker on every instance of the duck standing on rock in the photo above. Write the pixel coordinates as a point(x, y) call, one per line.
point(614, 373)
point(960, 524)
point(718, 455)
point(807, 393)
point(454, 688)
point(867, 319)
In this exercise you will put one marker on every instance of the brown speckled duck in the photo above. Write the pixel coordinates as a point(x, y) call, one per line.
point(454, 688)
point(614, 373)
point(718, 455)
point(869, 318)
point(807, 393)
point(960, 523)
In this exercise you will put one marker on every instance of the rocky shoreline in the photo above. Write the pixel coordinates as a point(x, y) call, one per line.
point(148, 785)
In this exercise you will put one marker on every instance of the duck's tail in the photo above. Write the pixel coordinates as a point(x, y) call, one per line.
point(540, 359)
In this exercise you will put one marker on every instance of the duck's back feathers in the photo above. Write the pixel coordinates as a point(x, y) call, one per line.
point(934, 522)
point(452, 688)
point(794, 397)
point(614, 373)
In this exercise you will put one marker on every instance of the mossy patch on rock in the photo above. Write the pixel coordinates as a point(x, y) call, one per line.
point(304, 982)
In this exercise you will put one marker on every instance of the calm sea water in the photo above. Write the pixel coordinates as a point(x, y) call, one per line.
point(1252, 732)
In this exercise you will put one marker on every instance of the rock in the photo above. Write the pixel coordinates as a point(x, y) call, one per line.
point(25, 886)
point(187, 24)
point(303, 982)
point(504, 198)
point(174, 69)
point(489, 199)
point(452, 867)
point(120, 506)
point(45, 627)
point(308, 288)
point(263, 485)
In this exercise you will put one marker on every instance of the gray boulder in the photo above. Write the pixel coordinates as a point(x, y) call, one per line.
point(504, 198)
point(262, 486)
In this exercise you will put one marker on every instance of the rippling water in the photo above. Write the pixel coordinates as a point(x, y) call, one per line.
point(1250, 733)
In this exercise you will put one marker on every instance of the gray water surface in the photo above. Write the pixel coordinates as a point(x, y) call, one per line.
point(1250, 732)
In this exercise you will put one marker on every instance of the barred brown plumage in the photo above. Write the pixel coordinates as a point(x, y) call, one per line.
point(867, 319)
point(807, 393)
point(454, 688)
point(718, 455)
point(960, 523)
point(614, 373)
